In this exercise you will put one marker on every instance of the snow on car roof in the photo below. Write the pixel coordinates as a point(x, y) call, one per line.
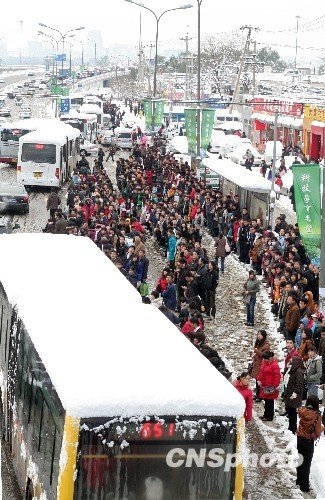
point(73, 114)
point(52, 132)
point(252, 181)
point(106, 353)
point(90, 108)
point(31, 123)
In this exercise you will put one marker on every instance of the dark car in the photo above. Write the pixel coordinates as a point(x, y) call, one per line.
point(13, 197)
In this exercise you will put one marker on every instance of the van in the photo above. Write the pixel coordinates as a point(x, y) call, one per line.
point(268, 155)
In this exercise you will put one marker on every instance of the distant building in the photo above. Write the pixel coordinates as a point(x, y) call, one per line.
point(304, 70)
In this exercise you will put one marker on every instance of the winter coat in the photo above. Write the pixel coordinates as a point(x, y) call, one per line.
point(53, 201)
point(289, 356)
point(247, 394)
point(211, 280)
point(220, 244)
point(269, 376)
point(142, 269)
point(258, 356)
point(252, 287)
point(172, 244)
point(314, 370)
point(61, 226)
point(310, 421)
point(295, 384)
point(169, 297)
point(292, 318)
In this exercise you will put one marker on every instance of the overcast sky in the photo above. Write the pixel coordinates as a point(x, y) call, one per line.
point(119, 20)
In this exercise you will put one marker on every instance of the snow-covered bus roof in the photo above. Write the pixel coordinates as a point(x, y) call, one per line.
point(29, 123)
point(91, 108)
point(55, 132)
point(75, 115)
point(252, 181)
point(105, 352)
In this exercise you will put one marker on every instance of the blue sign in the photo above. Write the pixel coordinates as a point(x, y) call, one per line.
point(217, 103)
point(65, 105)
point(61, 57)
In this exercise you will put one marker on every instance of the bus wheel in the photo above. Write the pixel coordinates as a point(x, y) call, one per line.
point(29, 495)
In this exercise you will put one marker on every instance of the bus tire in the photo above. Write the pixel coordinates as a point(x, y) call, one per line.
point(29, 493)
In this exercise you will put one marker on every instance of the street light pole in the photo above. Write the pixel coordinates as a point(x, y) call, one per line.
point(272, 193)
point(297, 30)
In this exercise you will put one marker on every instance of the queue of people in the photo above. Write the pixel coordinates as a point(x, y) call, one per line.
point(159, 197)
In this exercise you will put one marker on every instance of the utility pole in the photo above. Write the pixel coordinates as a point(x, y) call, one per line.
point(297, 31)
point(272, 193)
point(140, 74)
point(151, 46)
point(242, 62)
point(254, 69)
point(187, 57)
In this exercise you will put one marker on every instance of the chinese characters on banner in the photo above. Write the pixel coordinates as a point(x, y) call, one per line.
point(157, 108)
point(284, 107)
point(306, 183)
point(207, 122)
point(147, 108)
point(158, 112)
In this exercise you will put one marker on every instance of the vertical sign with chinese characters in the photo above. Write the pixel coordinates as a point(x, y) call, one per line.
point(207, 123)
point(306, 183)
point(147, 108)
point(190, 126)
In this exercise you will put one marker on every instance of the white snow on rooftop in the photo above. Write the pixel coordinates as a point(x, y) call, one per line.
point(252, 181)
point(106, 353)
point(55, 131)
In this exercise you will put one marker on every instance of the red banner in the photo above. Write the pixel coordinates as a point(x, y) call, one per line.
point(270, 105)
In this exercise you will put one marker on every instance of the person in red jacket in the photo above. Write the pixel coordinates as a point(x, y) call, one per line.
point(269, 380)
point(291, 352)
point(242, 386)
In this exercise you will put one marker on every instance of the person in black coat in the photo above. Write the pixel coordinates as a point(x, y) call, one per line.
point(293, 391)
point(211, 283)
point(243, 242)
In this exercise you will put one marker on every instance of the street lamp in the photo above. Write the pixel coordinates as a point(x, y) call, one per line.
point(82, 52)
point(186, 6)
point(63, 37)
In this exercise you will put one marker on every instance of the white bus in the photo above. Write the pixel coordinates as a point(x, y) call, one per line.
point(76, 100)
point(93, 410)
point(47, 157)
point(85, 123)
point(10, 134)
point(93, 109)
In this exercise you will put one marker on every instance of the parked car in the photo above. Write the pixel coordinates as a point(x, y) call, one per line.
point(13, 197)
point(2, 80)
point(5, 112)
point(123, 138)
point(88, 148)
point(6, 225)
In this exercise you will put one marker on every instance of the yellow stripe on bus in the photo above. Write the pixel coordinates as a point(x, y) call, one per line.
point(239, 478)
point(68, 458)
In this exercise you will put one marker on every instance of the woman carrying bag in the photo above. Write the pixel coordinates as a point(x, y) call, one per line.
point(269, 380)
point(309, 430)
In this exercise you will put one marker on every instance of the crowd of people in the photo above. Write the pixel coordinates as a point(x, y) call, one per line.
point(158, 196)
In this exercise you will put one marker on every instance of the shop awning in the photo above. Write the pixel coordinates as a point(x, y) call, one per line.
point(285, 121)
point(316, 123)
point(297, 123)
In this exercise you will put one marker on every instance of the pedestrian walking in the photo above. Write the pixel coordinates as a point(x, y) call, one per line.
point(53, 203)
point(220, 245)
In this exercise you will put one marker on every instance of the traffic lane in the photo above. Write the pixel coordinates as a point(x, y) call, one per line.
point(36, 220)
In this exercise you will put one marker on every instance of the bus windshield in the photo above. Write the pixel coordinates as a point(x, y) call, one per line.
point(154, 459)
point(12, 134)
point(39, 153)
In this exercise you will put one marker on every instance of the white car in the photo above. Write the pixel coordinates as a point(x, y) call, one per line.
point(107, 138)
point(88, 149)
point(2, 80)
point(238, 154)
point(25, 114)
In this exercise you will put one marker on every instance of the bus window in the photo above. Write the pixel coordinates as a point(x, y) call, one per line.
point(37, 418)
point(1, 323)
point(48, 432)
point(20, 365)
point(38, 153)
point(70, 148)
point(64, 152)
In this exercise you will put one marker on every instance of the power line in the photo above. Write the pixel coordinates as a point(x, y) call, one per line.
point(290, 46)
